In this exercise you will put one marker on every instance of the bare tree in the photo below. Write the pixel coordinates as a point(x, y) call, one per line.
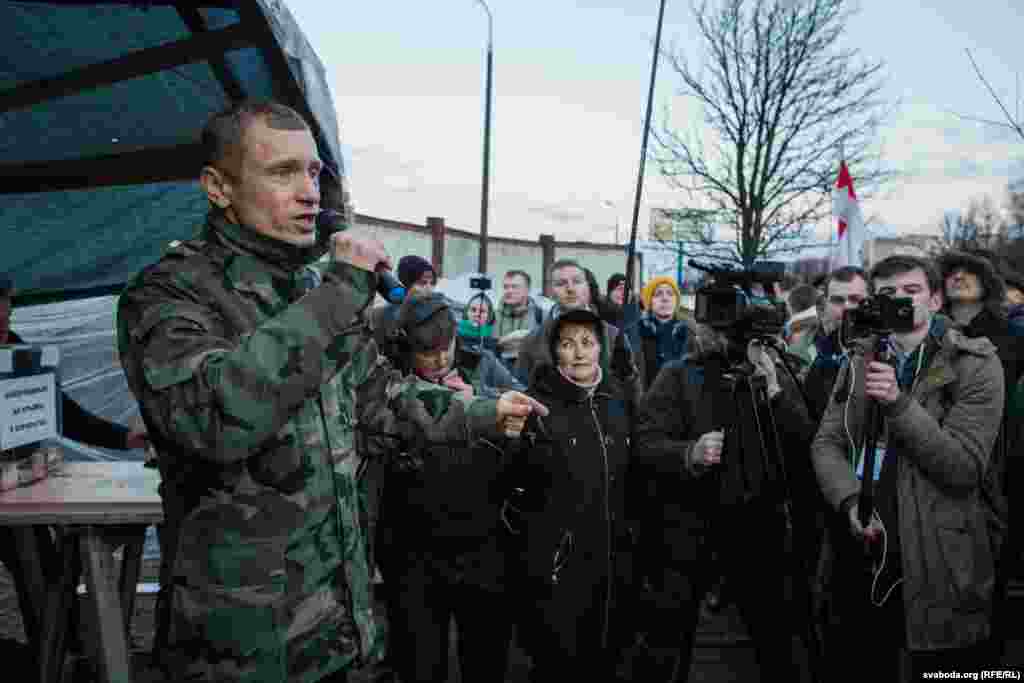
point(1013, 121)
point(957, 233)
point(780, 98)
point(981, 226)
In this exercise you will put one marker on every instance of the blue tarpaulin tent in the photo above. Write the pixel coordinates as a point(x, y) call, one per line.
point(101, 104)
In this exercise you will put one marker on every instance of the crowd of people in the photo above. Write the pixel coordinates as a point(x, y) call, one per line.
point(576, 479)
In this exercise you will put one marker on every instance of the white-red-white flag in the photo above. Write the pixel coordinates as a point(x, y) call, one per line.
point(850, 223)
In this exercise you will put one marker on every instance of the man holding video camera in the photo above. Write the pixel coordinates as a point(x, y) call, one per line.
point(717, 447)
point(920, 574)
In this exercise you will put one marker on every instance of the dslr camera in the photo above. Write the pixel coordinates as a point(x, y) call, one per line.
point(483, 283)
point(728, 302)
point(877, 315)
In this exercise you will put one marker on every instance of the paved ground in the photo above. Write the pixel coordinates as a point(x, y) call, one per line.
point(723, 654)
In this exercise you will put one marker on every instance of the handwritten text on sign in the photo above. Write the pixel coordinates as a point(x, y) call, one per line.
point(28, 410)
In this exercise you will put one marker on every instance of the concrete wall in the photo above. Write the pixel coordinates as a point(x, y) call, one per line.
point(461, 251)
point(604, 262)
point(399, 238)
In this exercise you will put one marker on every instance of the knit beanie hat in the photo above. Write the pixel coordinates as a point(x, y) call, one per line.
point(647, 293)
point(411, 268)
point(426, 322)
point(614, 281)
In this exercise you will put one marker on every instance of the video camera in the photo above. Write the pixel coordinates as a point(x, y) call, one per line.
point(728, 302)
point(878, 315)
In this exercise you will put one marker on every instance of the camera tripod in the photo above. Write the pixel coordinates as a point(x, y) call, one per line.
point(754, 466)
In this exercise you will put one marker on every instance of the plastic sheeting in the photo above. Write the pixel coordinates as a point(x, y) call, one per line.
point(71, 229)
point(90, 370)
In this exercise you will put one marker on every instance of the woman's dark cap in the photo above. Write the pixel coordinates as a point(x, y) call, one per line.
point(411, 269)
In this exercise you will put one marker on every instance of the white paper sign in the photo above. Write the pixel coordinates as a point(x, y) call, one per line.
point(28, 410)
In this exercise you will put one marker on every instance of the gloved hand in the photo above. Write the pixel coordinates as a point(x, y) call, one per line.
point(707, 451)
point(764, 365)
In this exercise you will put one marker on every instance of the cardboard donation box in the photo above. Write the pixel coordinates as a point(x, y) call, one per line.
point(29, 413)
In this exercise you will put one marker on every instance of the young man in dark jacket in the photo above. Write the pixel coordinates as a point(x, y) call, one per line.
point(710, 480)
point(926, 577)
point(845, 289)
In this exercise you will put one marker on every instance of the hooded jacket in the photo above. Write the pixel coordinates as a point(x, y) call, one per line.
point(440, 500)
point(536, 352)
point(571, 468)
point(941, 436)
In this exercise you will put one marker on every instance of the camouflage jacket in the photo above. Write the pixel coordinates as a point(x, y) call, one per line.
point(246, 361)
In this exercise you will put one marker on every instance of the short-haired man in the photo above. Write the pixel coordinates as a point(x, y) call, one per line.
point(246, 361)
point(802, 327)
point(517, 316)
point(616, 289)
point(930, 589)
point(845, 288)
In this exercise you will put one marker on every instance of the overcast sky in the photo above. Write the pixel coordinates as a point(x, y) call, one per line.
point(570, 84)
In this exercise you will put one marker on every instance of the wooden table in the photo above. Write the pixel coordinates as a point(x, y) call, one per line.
point(94, 508)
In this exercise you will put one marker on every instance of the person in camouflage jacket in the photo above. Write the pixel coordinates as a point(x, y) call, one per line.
point(252, 365)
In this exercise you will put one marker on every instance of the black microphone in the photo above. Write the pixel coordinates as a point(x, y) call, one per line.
point(330, 221)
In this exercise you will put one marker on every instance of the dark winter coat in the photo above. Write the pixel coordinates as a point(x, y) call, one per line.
point(1008, 338)
point(484, 371)
point(444, 503)
point(643, 339)
point(685, 507)
point(570, 519)
point(821, 376)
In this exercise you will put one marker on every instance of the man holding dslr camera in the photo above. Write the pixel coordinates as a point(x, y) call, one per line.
point(919, 575)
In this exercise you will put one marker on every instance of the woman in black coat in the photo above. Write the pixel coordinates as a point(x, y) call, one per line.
point(566, 513)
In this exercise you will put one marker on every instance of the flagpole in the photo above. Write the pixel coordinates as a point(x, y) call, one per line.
point(837, 251)
point(630, 255)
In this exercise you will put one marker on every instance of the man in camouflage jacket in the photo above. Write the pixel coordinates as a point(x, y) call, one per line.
point(246, 363)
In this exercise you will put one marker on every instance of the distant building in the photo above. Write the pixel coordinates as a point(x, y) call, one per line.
point(922, 245)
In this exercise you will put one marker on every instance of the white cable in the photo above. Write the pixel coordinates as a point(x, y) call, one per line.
point(846, 408)
point(881, 565)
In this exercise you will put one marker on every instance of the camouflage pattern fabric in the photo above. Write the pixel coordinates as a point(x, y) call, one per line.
point(247, 378)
